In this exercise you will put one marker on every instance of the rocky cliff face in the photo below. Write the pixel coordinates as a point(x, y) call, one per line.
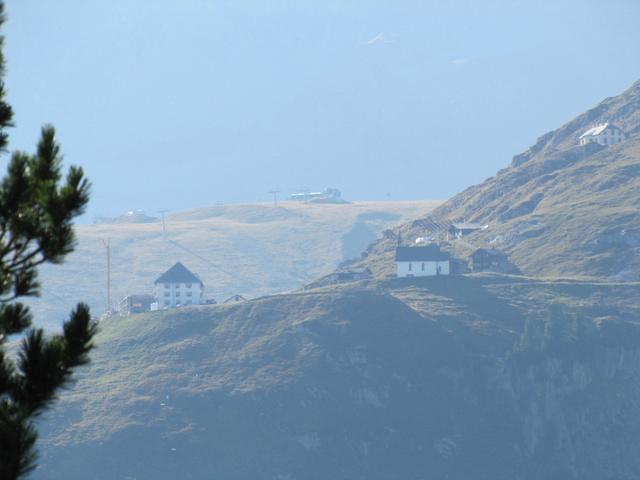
point(577, 413)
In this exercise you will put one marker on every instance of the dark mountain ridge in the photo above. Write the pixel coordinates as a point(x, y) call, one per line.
point(460, 377)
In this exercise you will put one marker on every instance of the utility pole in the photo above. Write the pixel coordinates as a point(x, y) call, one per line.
point(162, 212)
point(275, 197)
point(107, 245)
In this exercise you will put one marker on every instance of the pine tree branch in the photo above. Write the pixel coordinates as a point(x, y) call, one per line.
point(36, 213)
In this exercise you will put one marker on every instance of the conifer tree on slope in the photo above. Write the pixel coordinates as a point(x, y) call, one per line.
point(37, 207)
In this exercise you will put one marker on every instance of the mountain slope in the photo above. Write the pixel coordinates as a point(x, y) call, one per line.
point(477, 376)
point(399, 379)
point(559, 209)
point(247, 249)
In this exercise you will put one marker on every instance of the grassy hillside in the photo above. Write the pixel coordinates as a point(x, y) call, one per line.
point(559, 209)
point(248, 249)
point(477, 376)
point(384, 380)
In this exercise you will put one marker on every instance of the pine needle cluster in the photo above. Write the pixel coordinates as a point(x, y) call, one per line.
point(37, 208)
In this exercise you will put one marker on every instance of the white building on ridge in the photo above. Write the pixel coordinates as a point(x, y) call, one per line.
point(603, 134)
point(179, 286)
point(424, 261)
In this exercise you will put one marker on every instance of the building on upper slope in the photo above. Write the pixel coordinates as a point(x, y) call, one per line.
point(235, 299)
point(341, 276)
point(179, 286)
point(488, 260)
point(492, 260)
point(603, 134)
point(424, 261)
point(135, 304)
point(458, 230)
point(351, 276)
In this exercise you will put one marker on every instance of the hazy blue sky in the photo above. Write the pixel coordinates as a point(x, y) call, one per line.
point(184, 103)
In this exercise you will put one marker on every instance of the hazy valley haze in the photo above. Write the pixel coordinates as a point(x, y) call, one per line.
point(181, 104)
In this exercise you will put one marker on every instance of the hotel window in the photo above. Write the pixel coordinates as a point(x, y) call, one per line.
point(423, 266)
point(166, 294)
point(177, 294)
point(188, 285)
point(166, 285)
point(167, 302)
point(409, 266)
point(189, 294)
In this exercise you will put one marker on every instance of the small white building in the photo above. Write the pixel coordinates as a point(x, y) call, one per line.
point(603, 134)
point(424, 261)
point(328, 195)
point(179, 286)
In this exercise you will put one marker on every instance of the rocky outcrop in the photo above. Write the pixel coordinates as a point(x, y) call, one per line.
point(577, 408)
point(523, 208)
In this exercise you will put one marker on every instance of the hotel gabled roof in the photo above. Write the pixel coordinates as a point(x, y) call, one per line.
point(178, 274)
